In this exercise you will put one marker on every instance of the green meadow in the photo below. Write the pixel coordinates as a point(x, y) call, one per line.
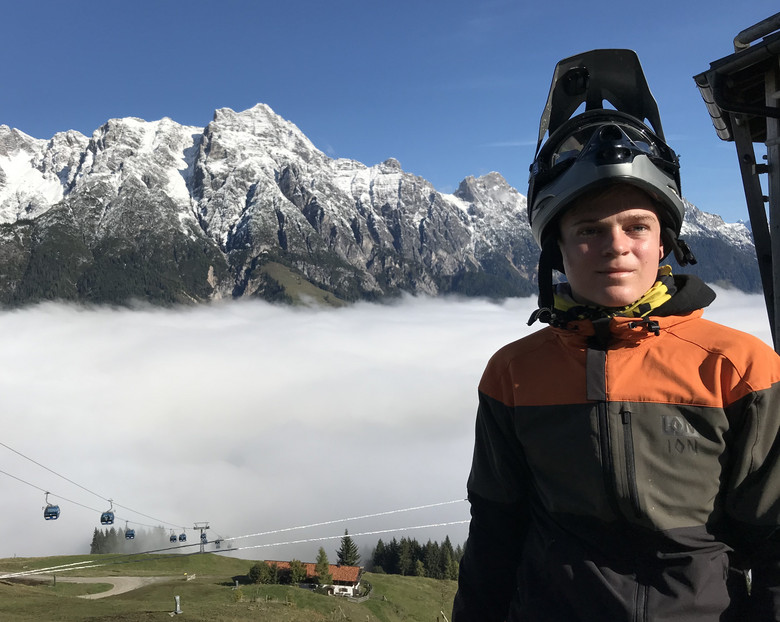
point(210, 587)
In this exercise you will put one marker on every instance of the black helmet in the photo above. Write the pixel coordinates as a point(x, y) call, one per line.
point(603, 146)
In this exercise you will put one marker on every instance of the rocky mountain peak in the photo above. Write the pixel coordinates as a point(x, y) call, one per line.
point(266, 129)
point(389, 165)
point(492, 187)
point(12, 141)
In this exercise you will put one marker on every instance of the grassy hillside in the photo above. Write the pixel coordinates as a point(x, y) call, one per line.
point(211, 596)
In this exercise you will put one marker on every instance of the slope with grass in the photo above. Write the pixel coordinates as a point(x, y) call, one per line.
point(211, 588)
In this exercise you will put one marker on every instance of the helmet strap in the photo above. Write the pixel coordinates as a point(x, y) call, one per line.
point(548, 258)
point(682, 252)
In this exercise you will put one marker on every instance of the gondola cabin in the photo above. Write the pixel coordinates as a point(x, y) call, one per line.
point(130, 534)
point(173, 537)
point(107, 518)
point(51, 512)
point(182, 537)
point(203, 539)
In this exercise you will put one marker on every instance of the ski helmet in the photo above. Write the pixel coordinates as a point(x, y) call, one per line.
point(603, 146)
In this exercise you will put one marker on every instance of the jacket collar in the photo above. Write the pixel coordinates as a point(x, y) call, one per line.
point(689, 293)
point(600, 334)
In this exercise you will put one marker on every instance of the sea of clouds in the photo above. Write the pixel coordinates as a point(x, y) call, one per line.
point(254, 418)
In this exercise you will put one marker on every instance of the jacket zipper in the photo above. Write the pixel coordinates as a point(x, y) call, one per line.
point(628, 447)
point(640, 600)
point(640, 603)
point(607, 462)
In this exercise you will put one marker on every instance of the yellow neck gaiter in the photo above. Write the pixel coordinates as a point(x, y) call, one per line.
point(662, 290)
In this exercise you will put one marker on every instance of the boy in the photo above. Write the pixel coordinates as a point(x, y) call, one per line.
point(627, 458)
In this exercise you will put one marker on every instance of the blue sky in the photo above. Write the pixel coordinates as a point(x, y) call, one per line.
point(449, 88)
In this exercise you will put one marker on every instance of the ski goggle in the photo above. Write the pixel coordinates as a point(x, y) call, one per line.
point(601, 140)
point(589, 138)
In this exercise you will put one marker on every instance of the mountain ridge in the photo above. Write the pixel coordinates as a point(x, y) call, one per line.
point(248, 207)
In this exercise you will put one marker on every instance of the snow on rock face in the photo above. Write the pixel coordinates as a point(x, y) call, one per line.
point(131, 162)
point(702, 224)
point(251, 185)
point(157, 153)
point(34, 173)
point(240, 157)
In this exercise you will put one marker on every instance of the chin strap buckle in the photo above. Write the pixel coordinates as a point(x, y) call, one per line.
point(543, 314)
point(650, 325)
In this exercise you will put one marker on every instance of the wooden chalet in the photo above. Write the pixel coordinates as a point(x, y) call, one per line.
point(346, 579)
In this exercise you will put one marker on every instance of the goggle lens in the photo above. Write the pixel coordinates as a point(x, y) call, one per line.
point(582, 140)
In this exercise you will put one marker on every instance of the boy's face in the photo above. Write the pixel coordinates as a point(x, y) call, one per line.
point(611, 246)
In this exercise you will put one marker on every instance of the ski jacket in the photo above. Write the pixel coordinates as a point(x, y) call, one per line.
point(626, 469)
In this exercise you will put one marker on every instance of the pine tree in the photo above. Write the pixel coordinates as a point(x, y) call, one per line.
point(393, 554)
point(297, 572)
point(348, 552)
point(458, 553)
point(97, 542)
point(379, 559)
point(432, 561)
point(322, 569)
point(452, 570)
point(406, 557)
point(447, 562)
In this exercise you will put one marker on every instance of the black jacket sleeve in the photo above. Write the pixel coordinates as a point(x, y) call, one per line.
point(497, 487)
point(488, 569)
point(753, 497)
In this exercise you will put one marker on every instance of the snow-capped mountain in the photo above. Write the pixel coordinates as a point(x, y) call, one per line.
point(248, 206)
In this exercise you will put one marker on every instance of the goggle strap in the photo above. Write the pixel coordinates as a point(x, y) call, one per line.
point(545, 313)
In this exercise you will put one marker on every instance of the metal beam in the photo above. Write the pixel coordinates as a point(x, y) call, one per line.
point(772, 89)
point(754, 196)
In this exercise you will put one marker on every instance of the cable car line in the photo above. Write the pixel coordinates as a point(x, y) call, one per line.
point(92, 492)
point(108, 517)
point(160, 522)
point(18, 453)
point(23, 481)
point(354, 518)
point(43, 490)
point(86, 507)
point(352, 535)
point(62, 567)
point(270, 532)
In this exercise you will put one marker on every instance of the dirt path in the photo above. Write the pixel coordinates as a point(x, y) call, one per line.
point(120, 584)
